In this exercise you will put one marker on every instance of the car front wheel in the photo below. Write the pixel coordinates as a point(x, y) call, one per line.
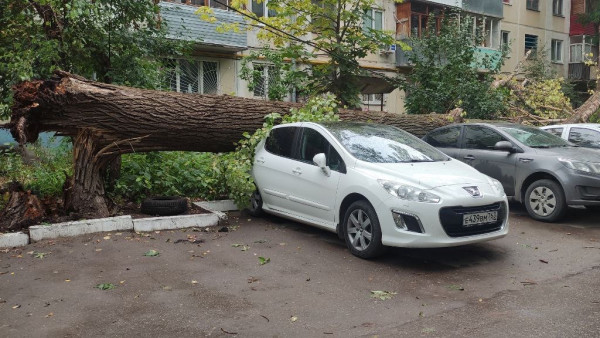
point(256, 203)
point(362, 231)
point(545, 201)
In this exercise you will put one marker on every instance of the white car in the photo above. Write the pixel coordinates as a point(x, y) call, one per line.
point(582, 134)
point(375, 186)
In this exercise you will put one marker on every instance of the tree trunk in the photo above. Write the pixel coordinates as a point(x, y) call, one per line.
point(589, 107)
point(106, 121)
point(22, 210)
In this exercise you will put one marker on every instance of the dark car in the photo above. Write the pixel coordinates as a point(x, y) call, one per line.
point(536, 168)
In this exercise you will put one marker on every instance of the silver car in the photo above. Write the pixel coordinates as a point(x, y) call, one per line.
point(536, 168)
point(582, 134)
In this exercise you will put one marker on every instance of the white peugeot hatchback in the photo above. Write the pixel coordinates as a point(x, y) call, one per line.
point(376, 186)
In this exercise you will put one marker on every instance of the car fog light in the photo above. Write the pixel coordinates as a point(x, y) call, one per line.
point(407, 221)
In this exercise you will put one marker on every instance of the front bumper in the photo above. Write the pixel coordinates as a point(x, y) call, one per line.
point(581, 188)
point(441, 224)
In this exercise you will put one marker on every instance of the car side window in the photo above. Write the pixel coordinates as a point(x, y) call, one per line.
point(444, 138)
point(585, 137)
point(312, 143)
point(281, 141)
point(479, 137)
point(555, 131)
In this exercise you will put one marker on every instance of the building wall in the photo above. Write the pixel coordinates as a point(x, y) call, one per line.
point(519, 21)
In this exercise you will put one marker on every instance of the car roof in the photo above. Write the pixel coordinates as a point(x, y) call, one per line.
point(585, 125)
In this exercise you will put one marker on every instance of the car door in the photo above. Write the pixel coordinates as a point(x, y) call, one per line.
point(273, 165)
point(446, 140)
point(478, 151)
point(312, 191)
point(585, 137)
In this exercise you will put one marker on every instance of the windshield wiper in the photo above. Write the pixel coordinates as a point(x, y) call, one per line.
point(540, 147)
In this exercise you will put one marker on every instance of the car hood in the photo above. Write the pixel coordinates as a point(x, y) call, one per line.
point(573, 153)
point(426, 175)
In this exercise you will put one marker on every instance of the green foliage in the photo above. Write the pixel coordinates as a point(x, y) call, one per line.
point(44, 177)
point(238, 165)
point(116, 41)
point(448, 72)
point(170, 173)
point(330, 31)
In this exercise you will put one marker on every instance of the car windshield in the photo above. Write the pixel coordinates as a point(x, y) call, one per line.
point(535, 137)
point(383, 144)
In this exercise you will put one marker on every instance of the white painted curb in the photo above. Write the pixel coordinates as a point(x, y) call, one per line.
point(175, 222)
point(14, 239)
point(69, 229)
point(221, 205)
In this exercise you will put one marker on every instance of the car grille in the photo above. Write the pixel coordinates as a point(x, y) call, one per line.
point(451, 219)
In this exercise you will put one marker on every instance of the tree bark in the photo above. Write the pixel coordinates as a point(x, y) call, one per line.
point(106, 121)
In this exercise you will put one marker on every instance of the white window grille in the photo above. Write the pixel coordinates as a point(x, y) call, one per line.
point(266, 77)
point(193, 76)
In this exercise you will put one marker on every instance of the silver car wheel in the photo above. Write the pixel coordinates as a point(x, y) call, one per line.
point(542, 201)
point(359, 230)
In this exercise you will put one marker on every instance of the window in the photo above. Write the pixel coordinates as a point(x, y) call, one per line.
point(264, 75)
point(557, 7)
point(505, 42)
point(373, 98)
point(192, 76)
point(533, 5)
point(262, 9)
point(444, 138)
point(531, 43)
point(209, 3)
point(555, 131)
point(313, 143)
point(373, 19)
point(580, 47)
point(281, 141)
point(477, 137)
point(585, 137)
point(556, 52)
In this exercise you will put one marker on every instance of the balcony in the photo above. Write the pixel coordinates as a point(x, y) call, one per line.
point(579, 71)
point(184, 24)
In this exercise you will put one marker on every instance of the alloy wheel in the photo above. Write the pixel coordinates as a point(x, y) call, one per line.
point(359, 229)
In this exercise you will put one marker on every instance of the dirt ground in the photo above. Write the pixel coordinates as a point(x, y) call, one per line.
point(542, 280)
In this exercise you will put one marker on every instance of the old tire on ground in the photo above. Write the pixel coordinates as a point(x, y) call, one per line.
point(164, 206)
point(545, 201)
point(255, 209)
point(362, 231)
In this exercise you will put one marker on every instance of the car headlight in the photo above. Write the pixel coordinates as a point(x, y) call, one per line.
point(496, 186)
point(408, 192)
point(588, 167)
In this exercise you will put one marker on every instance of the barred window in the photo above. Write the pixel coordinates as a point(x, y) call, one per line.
point(193, 76)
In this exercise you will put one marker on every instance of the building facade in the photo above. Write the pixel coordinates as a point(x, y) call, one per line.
point(535, 25)
point(581, 44)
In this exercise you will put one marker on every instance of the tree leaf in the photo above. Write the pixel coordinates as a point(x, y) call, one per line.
point(151, 253)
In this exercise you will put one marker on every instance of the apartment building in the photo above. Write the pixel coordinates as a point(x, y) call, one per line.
point(581, 44)
point(215, 66)
point(537, 25)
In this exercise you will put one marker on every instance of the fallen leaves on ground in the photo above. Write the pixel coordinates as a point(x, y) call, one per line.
point(40, 255)
point(263, 260)
point(105, 286)
point(293, 319)
point(151, 253)
point(456, 287)
point(383, 295)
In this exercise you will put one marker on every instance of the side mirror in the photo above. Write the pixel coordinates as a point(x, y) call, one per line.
point(504, 146)
point(321, 161)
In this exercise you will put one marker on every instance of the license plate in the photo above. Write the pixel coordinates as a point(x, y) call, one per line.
point(480, 218)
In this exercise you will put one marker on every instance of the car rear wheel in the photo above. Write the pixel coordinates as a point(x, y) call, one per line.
point(362, 231)
point(545, 201)
point(256, 203)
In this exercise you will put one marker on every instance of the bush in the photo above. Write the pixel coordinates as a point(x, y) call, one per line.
point(46, 176)
point(195, 175)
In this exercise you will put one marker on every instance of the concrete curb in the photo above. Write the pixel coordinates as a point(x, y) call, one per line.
point(220, 205)
point(11, 240)
point(175, 222)
point(69, 229)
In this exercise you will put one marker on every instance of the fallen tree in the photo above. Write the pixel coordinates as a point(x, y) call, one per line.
point(106, 121)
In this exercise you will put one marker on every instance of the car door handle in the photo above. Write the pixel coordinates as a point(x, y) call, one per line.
point(260, 160)
point(297, 171)
point(469, 157)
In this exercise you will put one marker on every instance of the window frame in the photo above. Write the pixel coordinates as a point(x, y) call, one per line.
point(293, 143)
point(267, 13)
point(465, 134)
point(558, 8)
point(556, 51)
point(199, 75)
point(536, 43)
point(579, 130)
point(297, 154)
point(532, 5)
point(507, 42)
point(458, 144)
point(372, 11)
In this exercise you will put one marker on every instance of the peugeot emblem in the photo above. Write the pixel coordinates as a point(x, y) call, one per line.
point(474, 191)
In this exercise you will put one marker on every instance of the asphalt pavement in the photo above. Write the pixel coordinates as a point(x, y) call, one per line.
point(270, 277)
